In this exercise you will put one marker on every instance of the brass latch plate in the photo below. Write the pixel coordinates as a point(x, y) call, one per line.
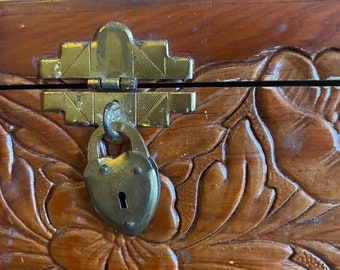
point(114, 53)
point(141, 109)
point(113, 62)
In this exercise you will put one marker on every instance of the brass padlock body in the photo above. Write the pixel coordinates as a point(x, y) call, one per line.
point(124, 190)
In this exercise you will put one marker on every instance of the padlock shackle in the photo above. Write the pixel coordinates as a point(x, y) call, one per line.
point(136, 139)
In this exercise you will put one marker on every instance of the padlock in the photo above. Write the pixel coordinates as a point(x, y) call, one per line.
point(125, 189)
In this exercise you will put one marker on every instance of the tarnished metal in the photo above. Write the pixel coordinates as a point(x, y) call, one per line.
point(140, 109)
point(115, 60)
point(114, 56)
point(111, 114)
point(124, 190)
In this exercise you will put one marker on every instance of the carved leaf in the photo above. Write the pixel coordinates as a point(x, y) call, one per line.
point(178, 171)
point(22, 109)
point(21, 228)
point(25, 140)
point(206, 117)
point(251, 255)
point(18, 260)
point(88, 252)
point(58, 172)
point(245, 159)
point(189, 145)
point(213, 106)
point(320, 234)
point(240, 185)
point(252, 221)
point(164, 224)
point(69, 207)
point(218, 199)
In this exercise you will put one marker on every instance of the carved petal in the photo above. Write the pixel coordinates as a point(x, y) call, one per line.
point(70, 207)
point(310, 230)
point(88, 249)
point(178, 171)
point(19, 191)
point(18, 242)
point(328, 104)
point(18, 260)
point(257, 255)
point(165, 223)
point(292, 65)
point(325, 63)
point(168, 147)
point(22, 234)
point(6, 154)
point(59, 171)
point(299, 152)
point(83, 235)
point(137, 254)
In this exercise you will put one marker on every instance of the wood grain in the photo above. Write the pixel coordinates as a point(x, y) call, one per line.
point(250, 180)
point(210, 31)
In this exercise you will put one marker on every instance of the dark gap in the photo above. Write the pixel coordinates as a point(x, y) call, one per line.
point(122, 200)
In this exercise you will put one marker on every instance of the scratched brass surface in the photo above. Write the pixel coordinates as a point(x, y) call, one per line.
point(141, 109)
point(114, 53)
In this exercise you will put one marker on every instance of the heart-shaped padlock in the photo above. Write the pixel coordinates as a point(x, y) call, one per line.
point(124, 189)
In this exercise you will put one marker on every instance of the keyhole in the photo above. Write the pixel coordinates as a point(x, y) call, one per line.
point(122, 200)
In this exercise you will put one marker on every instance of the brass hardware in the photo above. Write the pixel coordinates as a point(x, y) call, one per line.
point(114, 60)
point(124, 190)
point(140, 109)
point(113, 57)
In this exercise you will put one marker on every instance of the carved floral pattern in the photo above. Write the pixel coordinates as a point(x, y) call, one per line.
point(253, 182)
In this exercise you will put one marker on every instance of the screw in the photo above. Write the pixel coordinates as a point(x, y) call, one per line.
point(130, 225)
point(138, 170)
point(104, 169)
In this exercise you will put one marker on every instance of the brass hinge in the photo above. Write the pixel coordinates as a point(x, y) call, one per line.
point(115, 61)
